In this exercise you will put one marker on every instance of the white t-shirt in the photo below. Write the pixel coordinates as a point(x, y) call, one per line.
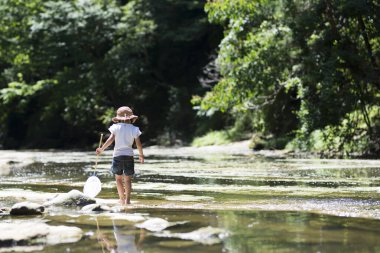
point(125, 135)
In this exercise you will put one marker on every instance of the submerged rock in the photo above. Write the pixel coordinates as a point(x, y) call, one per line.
point(4, 210)
point(23, 248)
point(158, 224)
point(186, 197)
point(176, 244)
point(96, 208)
point(27, 208)
point(72, 198)
point(33, 233)
point(131, 217)
point(63, 234)
point(207, 235)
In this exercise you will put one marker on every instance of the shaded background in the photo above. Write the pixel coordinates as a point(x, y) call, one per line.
point(301, 75)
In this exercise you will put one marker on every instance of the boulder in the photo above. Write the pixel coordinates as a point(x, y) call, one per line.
point(27, 208)
point(72, 198)
point(37, 233)
point(96, 208)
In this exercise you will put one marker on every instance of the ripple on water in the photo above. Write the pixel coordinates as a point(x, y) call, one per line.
point(265, 204)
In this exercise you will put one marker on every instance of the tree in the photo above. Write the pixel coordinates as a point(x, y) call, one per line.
point(255, 62)
point(316, 59)
point(80, 60)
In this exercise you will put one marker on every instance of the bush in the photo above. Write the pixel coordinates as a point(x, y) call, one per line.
point(212, 138)
point(353, 136)
point(259, 142)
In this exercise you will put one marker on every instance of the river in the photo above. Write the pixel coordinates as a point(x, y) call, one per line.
point(258, 202)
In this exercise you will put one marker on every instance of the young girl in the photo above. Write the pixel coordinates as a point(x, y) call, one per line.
point(124, 134)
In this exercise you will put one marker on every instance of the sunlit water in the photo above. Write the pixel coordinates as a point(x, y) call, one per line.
point(264, 204)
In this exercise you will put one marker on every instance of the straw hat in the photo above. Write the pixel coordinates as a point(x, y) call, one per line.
point(124, 113)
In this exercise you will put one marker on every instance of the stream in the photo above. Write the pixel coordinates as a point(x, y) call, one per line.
point(226, 199)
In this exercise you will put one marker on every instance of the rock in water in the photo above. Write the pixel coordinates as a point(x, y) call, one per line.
point(27, 208)
point(4, 168)
point(158, 224)
point(34, 233)
point(96, 208)
point(72, 198)
point(63, 234)
point(207, 235)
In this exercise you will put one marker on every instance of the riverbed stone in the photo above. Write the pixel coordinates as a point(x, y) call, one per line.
point(158, 224)
point(72, 198)
point(37, 233)
point(206, 235)
point(5, 167)
point(96, 208)
point(5, 210)
point(27, 208)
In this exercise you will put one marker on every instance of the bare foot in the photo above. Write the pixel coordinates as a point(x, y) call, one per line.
point(127, 202)
point(122, 202)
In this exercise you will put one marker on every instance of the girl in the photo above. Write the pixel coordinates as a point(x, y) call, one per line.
point(124, 134)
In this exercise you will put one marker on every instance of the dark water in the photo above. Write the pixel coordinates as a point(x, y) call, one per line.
point(261, 204)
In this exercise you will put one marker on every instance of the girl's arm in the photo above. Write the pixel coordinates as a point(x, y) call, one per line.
point(139, 147)
point(106, 144)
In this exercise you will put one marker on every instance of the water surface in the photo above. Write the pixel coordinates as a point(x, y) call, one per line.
point(262, 203)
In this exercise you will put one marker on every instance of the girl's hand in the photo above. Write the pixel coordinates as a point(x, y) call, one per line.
point(99, 151)
point(141, 158)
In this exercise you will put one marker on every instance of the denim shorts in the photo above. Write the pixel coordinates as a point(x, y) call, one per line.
point(123, 165)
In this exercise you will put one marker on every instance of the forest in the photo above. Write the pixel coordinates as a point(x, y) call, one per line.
point(301, 75)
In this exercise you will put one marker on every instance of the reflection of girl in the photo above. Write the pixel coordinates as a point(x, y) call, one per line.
point(103, 240)
point(124, 243)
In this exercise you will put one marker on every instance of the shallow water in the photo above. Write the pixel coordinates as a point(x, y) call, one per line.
point(262, 203)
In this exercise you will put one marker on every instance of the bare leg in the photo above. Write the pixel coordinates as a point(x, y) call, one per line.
point(128, 189)
point(120, 188)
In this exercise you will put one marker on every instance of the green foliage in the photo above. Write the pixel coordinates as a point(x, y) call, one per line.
point(259, 142)
point(223, 11)
point(213, 138)
point(341, 76)
point(21, 90)
point(254, 62)
point(241, 130)
point(350, 137)
point(80, 60)
point(283, 69)
point(303, 66)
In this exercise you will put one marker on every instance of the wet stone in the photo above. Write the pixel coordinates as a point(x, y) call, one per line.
point(206, 235)
point(158, 224)
point(4, 210)
point(72, 198)
point(96, 208)
point(27, 208)
point(34, 233)
point(4, 168)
